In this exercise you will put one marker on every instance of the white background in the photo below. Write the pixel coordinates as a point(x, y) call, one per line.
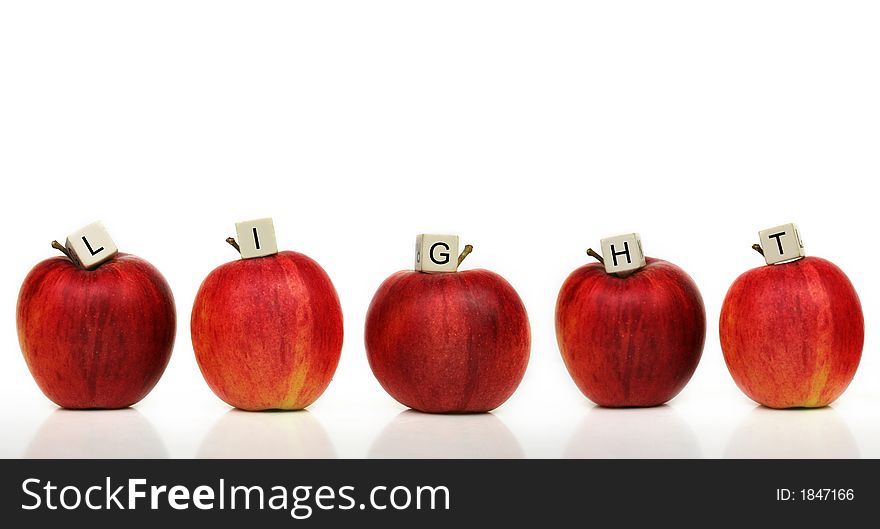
point(531, 129)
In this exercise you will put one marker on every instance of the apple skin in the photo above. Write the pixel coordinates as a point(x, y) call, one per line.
point(267, 332)
point(792, 333)
point(96, 338)
point(454, 342)
point(630, 341)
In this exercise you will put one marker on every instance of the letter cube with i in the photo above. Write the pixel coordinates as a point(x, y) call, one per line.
point(436, 253)
point(91, 245)
point(256, 238)
point(781, 244)
point(623, 253)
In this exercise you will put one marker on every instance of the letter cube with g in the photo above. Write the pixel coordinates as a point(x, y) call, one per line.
point(781, 244)
point(623, 253)
point(436, 253)
point(91, 245)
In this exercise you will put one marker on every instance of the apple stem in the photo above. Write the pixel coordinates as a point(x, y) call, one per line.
point(592, 253)
point(60, 247)
point(231, 241)
point(464, 253)
point(757, 248)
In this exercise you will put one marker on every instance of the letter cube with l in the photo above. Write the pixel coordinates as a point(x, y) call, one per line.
point(781, 244)
point(256, 238)
point(623, 253)
point(91, 245)
point(436, 253)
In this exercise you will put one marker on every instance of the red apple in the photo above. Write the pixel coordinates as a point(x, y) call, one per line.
point(792, 333)
point(96, 338)
point(267, 331)
point(633, 340)
point(451, 342)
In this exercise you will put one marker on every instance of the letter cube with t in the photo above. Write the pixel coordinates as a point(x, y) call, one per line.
point(781, 244)
point(623, 253)
point(256, 238)
point(91, 246)
point(436, 253)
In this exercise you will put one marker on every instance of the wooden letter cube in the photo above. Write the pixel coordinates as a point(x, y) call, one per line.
point(91, 245)
point(256, 238)
point(781, 244)
point(436, 253)
point(623, 253)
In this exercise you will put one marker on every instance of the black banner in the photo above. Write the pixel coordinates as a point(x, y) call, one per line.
point(435, 493)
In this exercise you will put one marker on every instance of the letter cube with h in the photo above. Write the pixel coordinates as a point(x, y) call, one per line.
point(623, 253)
point(436, 253)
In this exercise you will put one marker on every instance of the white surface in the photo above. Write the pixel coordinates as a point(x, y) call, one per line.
point(549, 124)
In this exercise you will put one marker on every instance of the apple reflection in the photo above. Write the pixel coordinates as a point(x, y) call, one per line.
point(416, 435)
point(96, 434)
point(794, 433)
point(271, 435)
point(633, 433)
